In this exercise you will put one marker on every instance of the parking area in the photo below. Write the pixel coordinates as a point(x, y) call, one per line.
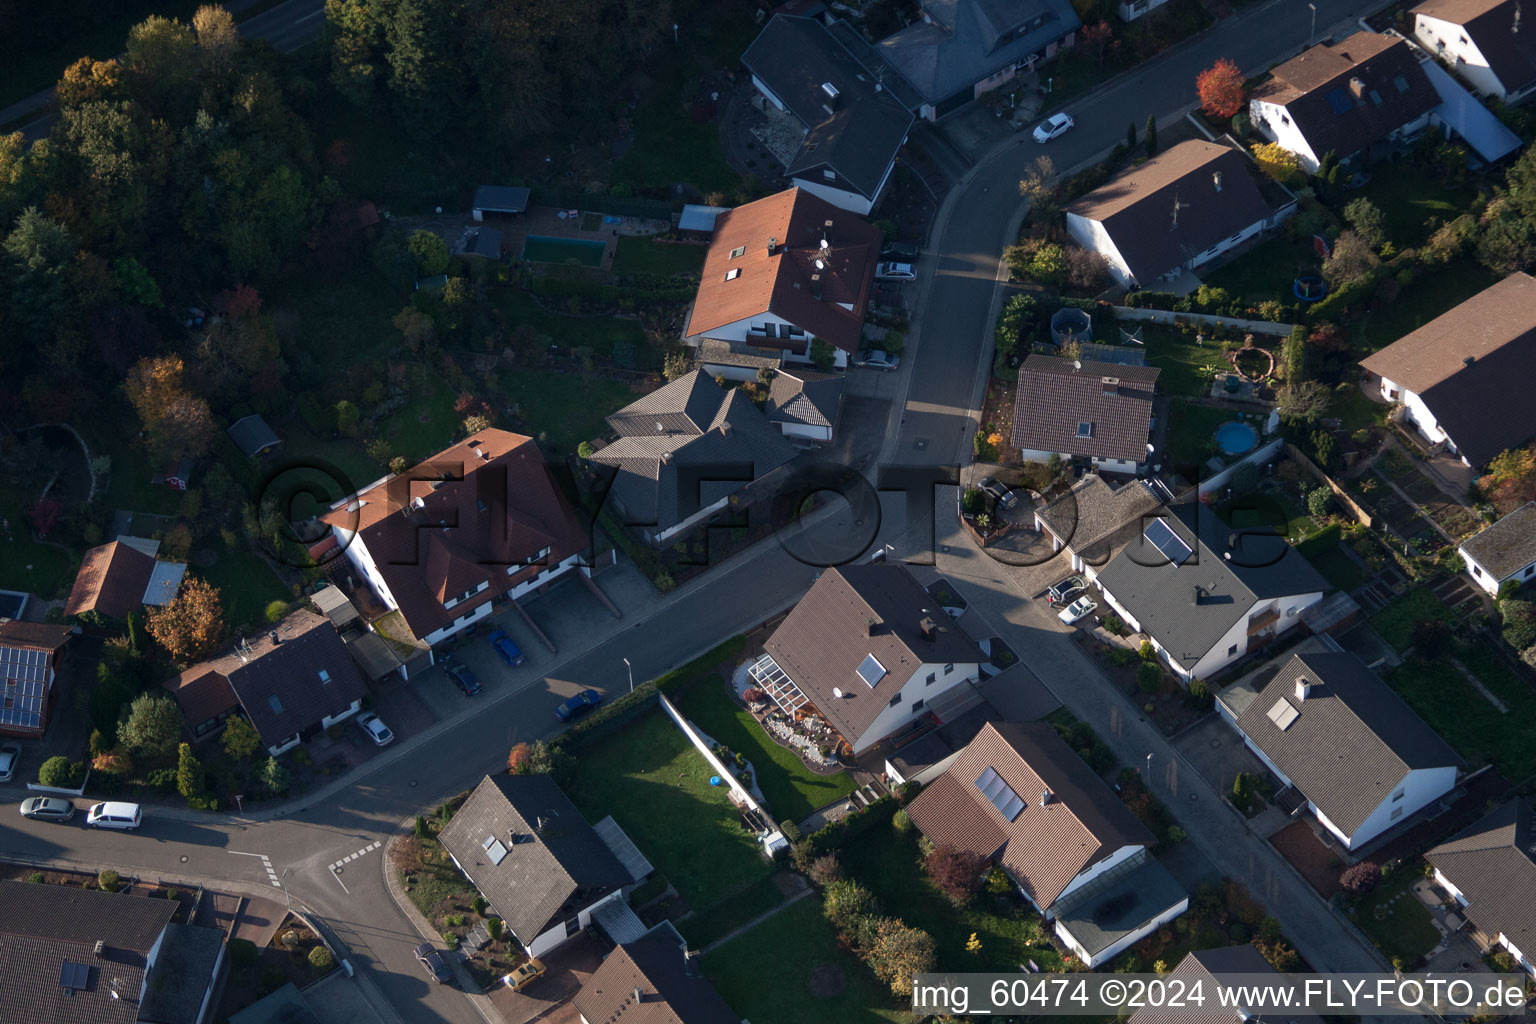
point(1217, 752)
point(547, 1000)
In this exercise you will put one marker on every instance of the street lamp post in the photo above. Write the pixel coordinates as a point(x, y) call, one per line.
point(1313, 34)
point(631, 671)
point(1149, 771)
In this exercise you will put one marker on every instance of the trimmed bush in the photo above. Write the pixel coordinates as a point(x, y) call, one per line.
point(107, 880)
point(1360, 878)
point(901, 822)
point(791, 831)
point(321, 960)
point(1149, 676)
point(243, 952)
point(59, 771)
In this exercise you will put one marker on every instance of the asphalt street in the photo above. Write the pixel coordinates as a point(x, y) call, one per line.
point(941, 381)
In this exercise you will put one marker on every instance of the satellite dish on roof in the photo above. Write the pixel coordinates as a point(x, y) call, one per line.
point(837, 692)
point(825, 244)
point(1077, 364)
point(821, 265)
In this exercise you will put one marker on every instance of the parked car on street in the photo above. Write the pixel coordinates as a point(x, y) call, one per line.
point(1077, 610)
point(463, 678)
point(524, 975)
point(875, 359)
point(10, 759)
point(1066, 590)
point(893, 271)
point(578, 705)
point(1053, 127)
point(47, 808)
point(432, 960)
point(1005, 498)
point(375, 729)
point(115, 815)
point(509, 651)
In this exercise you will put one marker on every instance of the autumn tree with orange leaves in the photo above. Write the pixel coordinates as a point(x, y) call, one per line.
point(192, 626)
point(177, 421)
point(1221, 89)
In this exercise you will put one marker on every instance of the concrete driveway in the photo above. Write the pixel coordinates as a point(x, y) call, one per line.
point(1218, 753)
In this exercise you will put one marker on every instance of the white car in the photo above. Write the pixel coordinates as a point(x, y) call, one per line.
point(1079, 609)
point(895, 272)
point(115, 815)
point(10, 757)
point(376, 730)
point(1053, 126)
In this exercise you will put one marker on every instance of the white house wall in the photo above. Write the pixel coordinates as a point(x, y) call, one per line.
point(556, 936)
point(892, 718)
point(806, 431)
point(693, 520)
point(1275, 124)
point(1421, 787)
point(1119, 946)
point(1485, 579)
point(361, 560)
point(741, 330)
point(1134, 9)
point(1091, 234)
point(1450, 42)
point(1217, 657)
point(843, 199)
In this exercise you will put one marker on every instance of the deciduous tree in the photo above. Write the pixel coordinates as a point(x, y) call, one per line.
point(192, 626)
point(240, 738)
point(153, 725)
point(957, 873)
point(1350, 260)
point(899, 953)
point(1366, 218)
point(1304, 401)
point(1221, 89)
point(177, 421)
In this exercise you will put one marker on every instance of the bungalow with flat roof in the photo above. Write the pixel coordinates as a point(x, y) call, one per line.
point(1095, 519)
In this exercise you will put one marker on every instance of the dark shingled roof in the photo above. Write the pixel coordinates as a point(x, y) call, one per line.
point(278, 684)
point(1137, 206)
point(822, 642)
point(1493, 26)
point(1188, 607)
point(253, 436)
point(1472, 366)
point(42, 926)
point(1045, 847)
point(805, 396)
point(1203, 966)
point(1352, 741)
point(1054, 398)
point(669, 992)
point(1317, 89)
point(1507, 546)
point(1493, 863)
point(859, 133)
point(285, 1006)
point(548, 872)
point(964, 41)
point(501, 198)
point(685, 446)
point(183, 972)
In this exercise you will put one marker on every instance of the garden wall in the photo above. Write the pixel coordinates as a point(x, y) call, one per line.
point(1321, 477)
point(725, 773)
point(1254, 457)
point(1162, 316)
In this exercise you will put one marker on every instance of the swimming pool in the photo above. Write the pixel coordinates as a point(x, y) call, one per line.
point(1235, 438)
point(543, 249)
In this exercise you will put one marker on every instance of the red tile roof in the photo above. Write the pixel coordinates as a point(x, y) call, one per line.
point(785, 282)
point(34, 636)
point(111, 581)
point(461, 518)
point(1044, 847)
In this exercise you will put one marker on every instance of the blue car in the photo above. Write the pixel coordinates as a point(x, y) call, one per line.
point(464, 679)
point(578, 705)
point(509, 651)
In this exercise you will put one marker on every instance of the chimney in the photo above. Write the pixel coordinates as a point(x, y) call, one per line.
point(666, 458)
point(1045, 797)
point(1216, 180)
point(1111, 386)
point(725, 429)
point(1357, 87)
point(929, 629)
point(1199, 595)
point(1303, 689)
point(816, 286)
point(101, 948)
point(1467, 361)
point(274, 638)
point(873, 624)
point(829, 95)
point(773, 247)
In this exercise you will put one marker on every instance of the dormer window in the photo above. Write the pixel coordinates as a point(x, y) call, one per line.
point(325, 676)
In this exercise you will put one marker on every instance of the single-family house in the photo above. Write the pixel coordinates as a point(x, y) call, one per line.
point(1344, 98)
point(1503, 551)
point(1201, 970)
point(805, 404)
point(1130, 10)
point(1100, 413)
point(1178, 211)
point(253, 436)
point(474, 526)
point(697, 221)
point(683, 452)
point(651, 980)
point(290, 683)
point(506, 200)
point(29, 660)
point(1204, 595)
point(869, 650)
point(116, 578)
point(543, 869)
point(1490, 869)
point(1354, 751)
point(784, 270)
point(1463, 378)
point(959, 50)
point(852, 128)
point(1481, 40)
point(1093, 520)
point(1020, 797)
point(83, 956)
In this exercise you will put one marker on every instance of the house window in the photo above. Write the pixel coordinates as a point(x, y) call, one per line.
point(733, 273)
point(740, 250)
point(792, 331)
point(325, 676)
point(829, 175)
point(1478, 572)
point(948, 669)
point(1232, 650)
point(1528, 570)
point(917, 706)
point(1397, 812)
point(895, 700)
point(931, 677)
point(1397, 796)
point(572, 926)
point(1290, 611)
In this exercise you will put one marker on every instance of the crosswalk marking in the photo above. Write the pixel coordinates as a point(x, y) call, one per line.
point(356, 854)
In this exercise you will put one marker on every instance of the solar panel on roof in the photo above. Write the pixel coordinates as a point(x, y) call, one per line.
point(1161, 536)
point(73, 975)
point(1340, 101)
point(871, 671)
point(1001, 794)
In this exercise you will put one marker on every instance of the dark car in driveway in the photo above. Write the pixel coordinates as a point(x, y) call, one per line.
point(1066, 590)
point(578, 705)
point(509, 651)
point(464, 679)
point(1006, 499)
point(436, 966)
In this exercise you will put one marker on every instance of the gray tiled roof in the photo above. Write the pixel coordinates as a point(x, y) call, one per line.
point(669, 991)
point(549, 871)
point(252, 434)
point(183, 972)
point(805, 396)
point(501, 198)
point(1189, 607)
point(1092, 510)
point(961, 45)
point(1203, 965)
point(1493, 863)
point(1055, 396)
point(1352, 741)
point(1507, 546)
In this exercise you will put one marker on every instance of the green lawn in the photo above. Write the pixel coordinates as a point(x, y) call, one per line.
point(1355, 410)
point(345, 453)
point(648, 256)
point(1179, 358)
point(1192, 430)
point(568, 408)
point(1324, 550)
point(791, 789)
point(1393, 917)
point(1421, 302)
point(1478, 730)
point(888, 863)
point(763, 974)
point(599, 333)
point(656, 786)
point(1395, 621)
point(669, 148)
point(1268, 506)
point(1268, 271)
point(424, 427)
point(342, 317)
point(1409, 196)
point(732, 912)
point(246, 584)
point(41, 569)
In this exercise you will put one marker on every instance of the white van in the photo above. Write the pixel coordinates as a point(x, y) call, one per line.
point(114, 815)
